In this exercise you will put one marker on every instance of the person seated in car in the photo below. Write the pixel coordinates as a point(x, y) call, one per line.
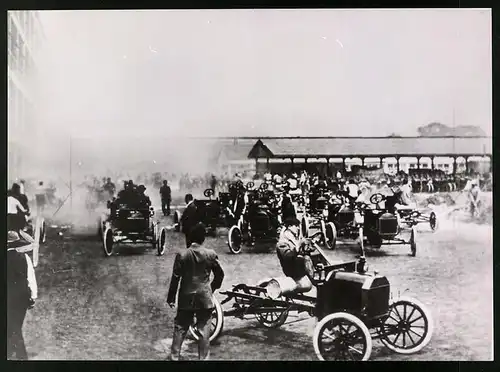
point(291, 254)
point(142, 199)
point(404, 202)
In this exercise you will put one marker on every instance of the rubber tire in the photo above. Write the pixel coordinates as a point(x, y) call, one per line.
point(304, 227)
point(352, 319)
point(436, 224)
point(220, 322)
point(108, 251)
point(162, 241)
point(413, 242)
point(334, 235)
point(233, 230)
point(177, 221)
point(430, 328)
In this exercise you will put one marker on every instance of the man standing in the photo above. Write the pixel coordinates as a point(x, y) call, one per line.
point(110, 188)
point(474, 195)
point(189, 217)
point(166, 198)
point(192, 267)
point(21, 293)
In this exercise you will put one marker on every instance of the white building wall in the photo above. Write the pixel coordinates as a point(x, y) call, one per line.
point(24, 33)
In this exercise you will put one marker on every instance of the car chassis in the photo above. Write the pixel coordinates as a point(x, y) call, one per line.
point(357, 303)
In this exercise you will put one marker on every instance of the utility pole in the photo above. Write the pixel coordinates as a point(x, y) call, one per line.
point(71, 176)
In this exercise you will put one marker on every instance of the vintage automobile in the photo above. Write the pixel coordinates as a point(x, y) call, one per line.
point(316, 216)
point(214, 213)
point(126, 224)
point(260, 219)
point(353, 306)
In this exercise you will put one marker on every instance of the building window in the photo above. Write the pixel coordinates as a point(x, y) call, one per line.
point(424, 165)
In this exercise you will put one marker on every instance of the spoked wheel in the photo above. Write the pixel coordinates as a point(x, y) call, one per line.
point(177, 221)
point(272, 319)
point(433, 221)
point(162, 241)
point(234, 239)
point(413, 242)
point(342, 337)
point(408, 328)
point(304, 227)
point(108, 242)
point(330, 235)
point(216, 323)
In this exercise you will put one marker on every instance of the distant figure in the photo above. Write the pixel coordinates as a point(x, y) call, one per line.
point(213, 182)
point(189, 217)
point(40, 198)
point(110, 188)
point(166, 198)
point(474, 196)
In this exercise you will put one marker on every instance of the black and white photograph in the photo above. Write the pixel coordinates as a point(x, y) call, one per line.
point(250, 185)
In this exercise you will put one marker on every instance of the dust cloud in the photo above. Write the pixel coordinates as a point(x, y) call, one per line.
point(94, 116)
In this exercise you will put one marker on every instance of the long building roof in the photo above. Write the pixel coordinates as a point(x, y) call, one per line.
point(371, 147)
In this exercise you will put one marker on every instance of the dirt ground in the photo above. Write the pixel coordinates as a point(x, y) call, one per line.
point(96, 308)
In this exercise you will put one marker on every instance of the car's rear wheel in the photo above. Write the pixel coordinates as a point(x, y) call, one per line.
point(177, 221)
point(108, 242)
point(304, 227)
point(162, 241)
point(234, 239)
point(216, 323)
point(330, 235)
point(433, 222)
point(413, 242)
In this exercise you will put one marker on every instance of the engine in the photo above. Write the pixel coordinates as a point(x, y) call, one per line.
point(364, 295)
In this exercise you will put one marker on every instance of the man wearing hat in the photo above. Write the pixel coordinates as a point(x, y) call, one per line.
point(192, 268)
point(290, 251)
point(22, 292)
point(189, 217)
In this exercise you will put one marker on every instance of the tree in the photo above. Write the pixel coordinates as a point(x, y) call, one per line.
point(434, 130)
point(440, 130)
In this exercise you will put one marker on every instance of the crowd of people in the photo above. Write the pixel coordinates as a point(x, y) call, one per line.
point(195, 292)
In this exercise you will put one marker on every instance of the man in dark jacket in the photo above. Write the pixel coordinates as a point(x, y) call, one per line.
point(21, 293)
point(166, 198)
point(291, 254)
point(189, 217)
point(192, 267)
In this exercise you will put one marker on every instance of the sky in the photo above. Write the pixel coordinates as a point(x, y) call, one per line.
point(265, 72)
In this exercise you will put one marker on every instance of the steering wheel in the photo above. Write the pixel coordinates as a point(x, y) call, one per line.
point(250, 185)
point(263, 186)
point(377, 198)
point(208, 193)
